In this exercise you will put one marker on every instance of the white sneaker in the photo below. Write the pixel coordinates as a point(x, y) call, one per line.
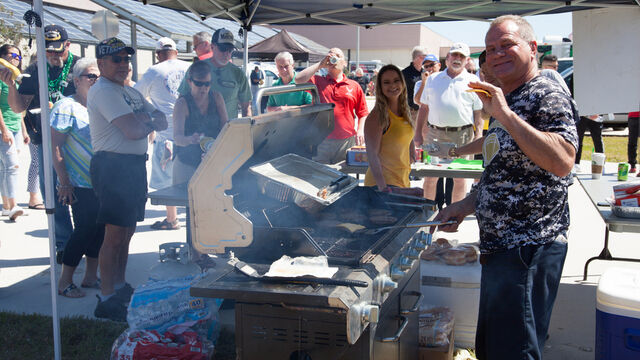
point(15, 212)
point(5, 212)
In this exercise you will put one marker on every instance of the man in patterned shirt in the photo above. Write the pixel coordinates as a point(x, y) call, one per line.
point(521, 201)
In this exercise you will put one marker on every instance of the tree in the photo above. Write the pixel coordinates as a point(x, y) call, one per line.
point(10, 31)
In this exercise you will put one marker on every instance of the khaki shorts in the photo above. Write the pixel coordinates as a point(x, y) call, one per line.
point(332, 151)
point(460, 137)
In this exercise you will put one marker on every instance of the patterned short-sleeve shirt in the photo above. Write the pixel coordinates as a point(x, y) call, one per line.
point(519, 203)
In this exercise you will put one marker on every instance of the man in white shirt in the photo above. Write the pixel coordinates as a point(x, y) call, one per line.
point(160, 85)
point(120, 121)
point(452, 114)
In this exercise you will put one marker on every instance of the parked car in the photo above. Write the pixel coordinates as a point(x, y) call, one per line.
point(617, 121)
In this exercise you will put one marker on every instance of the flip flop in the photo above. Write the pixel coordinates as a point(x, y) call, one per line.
point(37, 207)
point(95, 285)
point(71, 291)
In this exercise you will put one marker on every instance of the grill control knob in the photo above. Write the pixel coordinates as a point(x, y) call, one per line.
point(405, 263)
point(421, 240)
point(370, 313)
point(386, 284)
point(412, 253)
point(395, 272)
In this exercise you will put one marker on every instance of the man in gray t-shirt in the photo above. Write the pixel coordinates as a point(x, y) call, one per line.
point(120, 121)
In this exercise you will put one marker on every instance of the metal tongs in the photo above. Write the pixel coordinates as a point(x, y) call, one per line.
point(411, 225)
point(249, 271)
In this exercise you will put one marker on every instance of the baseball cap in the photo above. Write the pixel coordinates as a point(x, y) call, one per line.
point(460, 48)
point(165, 43)
point(431, 58)
point(112, 46)
point(54, 38)
point(223, 38)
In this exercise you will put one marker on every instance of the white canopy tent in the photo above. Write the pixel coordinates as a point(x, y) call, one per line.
point(359, 13)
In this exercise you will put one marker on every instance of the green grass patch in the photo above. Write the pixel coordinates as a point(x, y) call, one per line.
point(615, 148)
point(31, 337)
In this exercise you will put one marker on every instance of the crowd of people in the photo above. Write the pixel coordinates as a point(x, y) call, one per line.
point(102, 125)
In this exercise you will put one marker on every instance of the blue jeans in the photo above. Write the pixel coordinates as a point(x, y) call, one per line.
point(9, 167)
point(517, 292)
point(61, 217)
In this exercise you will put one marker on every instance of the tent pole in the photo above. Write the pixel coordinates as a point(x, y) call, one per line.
point(43, 93)
point(245, 52)
point(134, 44)
point(357, 47)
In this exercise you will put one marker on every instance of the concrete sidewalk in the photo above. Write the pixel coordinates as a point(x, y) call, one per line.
point(25, 279)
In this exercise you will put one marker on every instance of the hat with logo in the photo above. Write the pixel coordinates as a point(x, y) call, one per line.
point(165, 43)
point(431, 58)
point(54, 38)
point(112, 46)
point(460, 48)
point(223, 38)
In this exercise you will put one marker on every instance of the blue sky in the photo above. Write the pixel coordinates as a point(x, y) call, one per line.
point(472, 32)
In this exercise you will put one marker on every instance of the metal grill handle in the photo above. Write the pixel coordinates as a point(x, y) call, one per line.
point(274, 90)
point(394, 338)
point(415, 306)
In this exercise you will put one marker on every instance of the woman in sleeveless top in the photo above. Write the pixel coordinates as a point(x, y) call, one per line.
point(201, 113)
point(388, 133)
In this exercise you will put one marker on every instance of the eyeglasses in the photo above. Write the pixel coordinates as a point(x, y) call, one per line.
point(200, 83)
point(118, 59)
point(92, 77)
point(428, 66)
point(16, 56)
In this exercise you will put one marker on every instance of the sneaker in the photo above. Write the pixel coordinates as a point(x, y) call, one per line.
point(632, 170)
point(5, 212)
point(14, 213)
point(111, 309)
point(124, 294)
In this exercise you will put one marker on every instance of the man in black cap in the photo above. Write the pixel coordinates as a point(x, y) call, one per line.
point(60, 62)
point(121, 119)
point(227, 79)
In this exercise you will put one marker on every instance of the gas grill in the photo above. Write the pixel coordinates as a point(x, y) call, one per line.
point(232, 209)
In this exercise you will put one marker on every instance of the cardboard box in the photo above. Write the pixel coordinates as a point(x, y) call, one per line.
point(357, 156)
point(438, 353)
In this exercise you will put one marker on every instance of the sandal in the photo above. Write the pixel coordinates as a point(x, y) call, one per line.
point(37, 207)
point(165, 225)
point(95, 285)
point(71, 291)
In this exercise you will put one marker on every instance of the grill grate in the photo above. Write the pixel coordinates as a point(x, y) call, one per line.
point(296, 336)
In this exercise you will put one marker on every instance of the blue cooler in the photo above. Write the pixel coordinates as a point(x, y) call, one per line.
point(618, 315)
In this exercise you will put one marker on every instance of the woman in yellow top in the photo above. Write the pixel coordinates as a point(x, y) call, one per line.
point(388, 133)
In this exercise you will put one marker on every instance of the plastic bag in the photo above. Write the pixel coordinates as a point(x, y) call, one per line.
point(450, 253)
point(150, 344)
point(163, 304)
point(435, 325)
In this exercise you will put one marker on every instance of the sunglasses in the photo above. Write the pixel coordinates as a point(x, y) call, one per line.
point(200, 83)
point(224, 48)
point(428, 66)
point(118, 59)
point(93, 77)
point(16, 56)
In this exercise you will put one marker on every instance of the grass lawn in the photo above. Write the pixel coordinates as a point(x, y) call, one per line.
point(615, 148)
point(31, 337)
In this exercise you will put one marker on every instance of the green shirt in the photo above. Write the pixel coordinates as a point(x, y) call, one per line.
point(230, 82)
point(290, 98)
point(11, 119)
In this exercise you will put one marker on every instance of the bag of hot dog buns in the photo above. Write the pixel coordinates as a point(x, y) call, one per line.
point(451, 253)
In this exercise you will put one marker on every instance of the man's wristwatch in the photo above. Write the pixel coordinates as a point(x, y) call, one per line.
point(453, 152)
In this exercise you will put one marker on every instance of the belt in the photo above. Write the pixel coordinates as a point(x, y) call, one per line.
point(451, 128)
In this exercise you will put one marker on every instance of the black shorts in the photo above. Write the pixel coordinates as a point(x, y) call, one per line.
point(120, 183)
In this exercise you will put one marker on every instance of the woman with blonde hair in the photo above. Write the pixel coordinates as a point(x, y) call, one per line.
point(388, 133)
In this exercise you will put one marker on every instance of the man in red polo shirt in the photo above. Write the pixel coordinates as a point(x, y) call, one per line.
point(349, 99)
